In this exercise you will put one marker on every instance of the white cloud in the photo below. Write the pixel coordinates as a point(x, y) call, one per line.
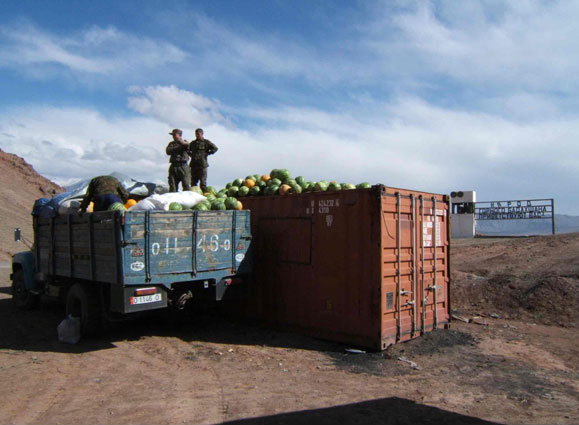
point(528, 44)
point(405, 143)
point(99, 51)
point(175, 106)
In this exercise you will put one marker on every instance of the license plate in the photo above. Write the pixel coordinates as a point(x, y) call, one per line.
point(146, 299)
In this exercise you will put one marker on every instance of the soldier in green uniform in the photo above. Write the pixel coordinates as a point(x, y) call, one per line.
point(103, 191)
point(178, 170)
point(200, 149)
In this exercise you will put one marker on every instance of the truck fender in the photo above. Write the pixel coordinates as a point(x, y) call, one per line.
point(25, 261)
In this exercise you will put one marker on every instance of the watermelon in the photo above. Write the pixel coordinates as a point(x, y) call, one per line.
point(210, 197)
point(175, 206)
point(348, 186)
point(364, 185)
point(254, 191)
point(218, 205)
point(117, 206)
point(237, 182)
point(274, 182)
point(284, 175)
point(274, 173)
point(301, 181)
point(271, 190)
point(296, 188)
point(231, 203)
point(196, 189)
point(261, 184)
point(333, 186)
point(233, 191)
point(211, 189)
point(228, 185)
point(321, 186)
point(243, 191)
point(202, 206)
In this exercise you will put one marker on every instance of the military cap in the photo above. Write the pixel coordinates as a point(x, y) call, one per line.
point(176, 130)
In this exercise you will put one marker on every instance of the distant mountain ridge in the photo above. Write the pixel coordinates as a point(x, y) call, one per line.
point(20, 186)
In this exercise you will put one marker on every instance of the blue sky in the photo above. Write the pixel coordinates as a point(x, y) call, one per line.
point(436, 96)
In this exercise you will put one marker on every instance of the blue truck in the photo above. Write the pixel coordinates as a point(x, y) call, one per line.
point(107, 265)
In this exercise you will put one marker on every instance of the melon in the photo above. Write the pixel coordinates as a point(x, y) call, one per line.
point(202, 206)
point(333, 186)
point(233, 191)
point(284, 175)
point(249, 182)
point(218, 205)
point(296, 188)
point(243, 191)
point(348, 186)
point(284, 189)
point(274, 182)
point(237, 182)
point(265, 178)
point(321, 186)
point(175, 206)
point(364, 185)
point(254, 191)
point(130, 203)
point(117, 206)
point(231, 203)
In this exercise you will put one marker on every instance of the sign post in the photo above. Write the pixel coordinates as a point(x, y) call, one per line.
point(527, 209)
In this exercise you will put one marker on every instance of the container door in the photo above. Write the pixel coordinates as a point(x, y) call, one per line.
point(414, 259)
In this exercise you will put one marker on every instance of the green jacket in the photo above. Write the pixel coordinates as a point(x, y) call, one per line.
point(103, 185)
point(178, 152)
point(199, 151)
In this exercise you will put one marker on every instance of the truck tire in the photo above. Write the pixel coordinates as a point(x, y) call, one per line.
point(83, 301)
point(22, 297)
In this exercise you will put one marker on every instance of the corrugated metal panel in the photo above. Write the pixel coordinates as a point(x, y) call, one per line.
point(346, 265)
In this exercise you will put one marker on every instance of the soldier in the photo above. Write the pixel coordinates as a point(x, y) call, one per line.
point(103, 191)
point(178, 170)
point(199, 149)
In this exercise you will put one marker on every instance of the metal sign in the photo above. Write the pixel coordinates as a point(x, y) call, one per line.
point(528, 209)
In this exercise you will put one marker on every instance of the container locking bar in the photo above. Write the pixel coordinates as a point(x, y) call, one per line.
point(414, 309)
point(434, 245)
point(398, 274)
point(422, 292)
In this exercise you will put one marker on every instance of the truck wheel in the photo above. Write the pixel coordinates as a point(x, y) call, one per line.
point(23, 298)
point(83, 301)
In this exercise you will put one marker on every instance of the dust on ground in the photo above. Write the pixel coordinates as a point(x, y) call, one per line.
point(209, 369)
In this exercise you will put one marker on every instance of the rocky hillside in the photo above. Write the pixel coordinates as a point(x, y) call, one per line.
point(20, 186)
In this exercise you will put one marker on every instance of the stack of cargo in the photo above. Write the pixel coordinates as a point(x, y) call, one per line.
point(360, 265)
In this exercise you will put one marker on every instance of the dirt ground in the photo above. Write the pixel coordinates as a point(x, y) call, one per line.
point(208, 369)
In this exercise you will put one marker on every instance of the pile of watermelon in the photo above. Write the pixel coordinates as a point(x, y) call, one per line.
point(277, 182)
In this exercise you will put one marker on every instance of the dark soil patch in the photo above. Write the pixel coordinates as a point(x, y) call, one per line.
point(432, 342)
point(377, 364)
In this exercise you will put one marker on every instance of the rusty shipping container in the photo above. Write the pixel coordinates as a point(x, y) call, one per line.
point(368, 267)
